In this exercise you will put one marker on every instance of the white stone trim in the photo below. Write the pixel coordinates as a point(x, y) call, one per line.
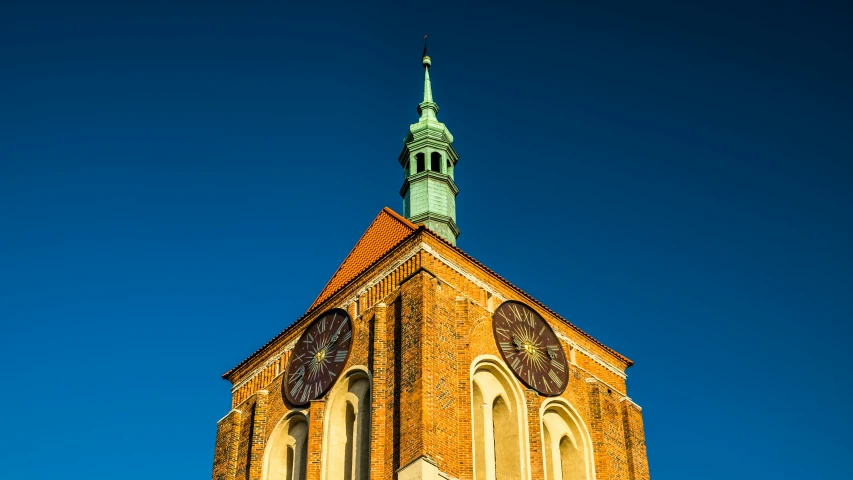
point(583, 429)
point(458, 269)
point(422, 468)
point(488, 360)
point(408, 256)
point(628, 399)
point(340, 389)
point(500, 298)
point(465, 274)
point(594, 379)
point(229, 413)
point(276, 434)
point(595, 358)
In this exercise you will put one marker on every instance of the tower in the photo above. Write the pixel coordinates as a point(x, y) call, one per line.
point(417, 362)
point(428, 160)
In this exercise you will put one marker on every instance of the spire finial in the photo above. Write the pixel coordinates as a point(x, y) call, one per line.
point(427, 107)
point(425, 59)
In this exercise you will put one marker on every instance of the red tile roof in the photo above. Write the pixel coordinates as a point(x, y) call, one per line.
point(386, 231)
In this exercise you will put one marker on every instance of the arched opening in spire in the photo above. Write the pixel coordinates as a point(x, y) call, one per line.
point(421, 163)
point(435, 162)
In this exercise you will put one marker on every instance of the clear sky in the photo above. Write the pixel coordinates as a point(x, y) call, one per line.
point(179, 180)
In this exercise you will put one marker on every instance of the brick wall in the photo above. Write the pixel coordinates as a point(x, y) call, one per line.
point(420, 325)
point(227, 442)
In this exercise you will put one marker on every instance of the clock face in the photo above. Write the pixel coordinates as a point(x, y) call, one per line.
point(318, 357)
point(530, 348)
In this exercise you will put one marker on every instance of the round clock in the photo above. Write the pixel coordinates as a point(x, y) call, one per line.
point(530, 348)
point(318, 357)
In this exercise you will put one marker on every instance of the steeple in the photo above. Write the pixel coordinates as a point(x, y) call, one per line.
point(429, 160)
point(427, 107)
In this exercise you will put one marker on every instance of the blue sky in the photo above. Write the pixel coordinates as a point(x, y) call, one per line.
point(178, 181)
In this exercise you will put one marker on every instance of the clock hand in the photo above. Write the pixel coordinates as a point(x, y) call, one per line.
point(335, 336)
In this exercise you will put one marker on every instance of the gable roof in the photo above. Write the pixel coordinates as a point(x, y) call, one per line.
point(387, 230)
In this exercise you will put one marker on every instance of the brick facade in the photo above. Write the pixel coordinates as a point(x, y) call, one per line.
point(421, 315)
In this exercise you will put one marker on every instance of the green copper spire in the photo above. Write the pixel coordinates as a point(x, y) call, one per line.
point(427, 86)
point(428, 160)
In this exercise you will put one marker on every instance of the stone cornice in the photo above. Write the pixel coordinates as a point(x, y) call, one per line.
point(442, 177)
point(426, 216)
point(429, 125)
point(427, 142)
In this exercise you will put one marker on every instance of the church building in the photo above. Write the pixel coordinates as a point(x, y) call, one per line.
point(416, 361)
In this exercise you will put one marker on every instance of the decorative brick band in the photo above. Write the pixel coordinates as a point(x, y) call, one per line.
point(473, 279)
point(264, 366)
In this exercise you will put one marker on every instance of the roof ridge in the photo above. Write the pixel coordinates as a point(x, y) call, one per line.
point(313, 307)
point(385, 210)
point(405, 221)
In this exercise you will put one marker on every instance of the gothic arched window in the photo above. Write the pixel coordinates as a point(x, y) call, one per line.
point(567, 448)
point(286, 453)
point(435, 162)
point(498, 420)
point(346, 429)
point(419, 159)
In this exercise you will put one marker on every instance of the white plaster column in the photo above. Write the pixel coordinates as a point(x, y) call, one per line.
point(355, 444)
point(489, 440)
point(298, 446)
point(556, 460)
point(297, 463)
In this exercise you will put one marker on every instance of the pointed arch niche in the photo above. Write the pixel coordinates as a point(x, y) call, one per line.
point(566, 443)
point(286, 453)
point(346, 428)
point(499, 422)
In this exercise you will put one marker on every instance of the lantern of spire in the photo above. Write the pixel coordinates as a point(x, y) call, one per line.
point(429, 160)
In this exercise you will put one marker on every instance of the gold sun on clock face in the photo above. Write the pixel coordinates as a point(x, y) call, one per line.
point(318, 357)
point(530, 348)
